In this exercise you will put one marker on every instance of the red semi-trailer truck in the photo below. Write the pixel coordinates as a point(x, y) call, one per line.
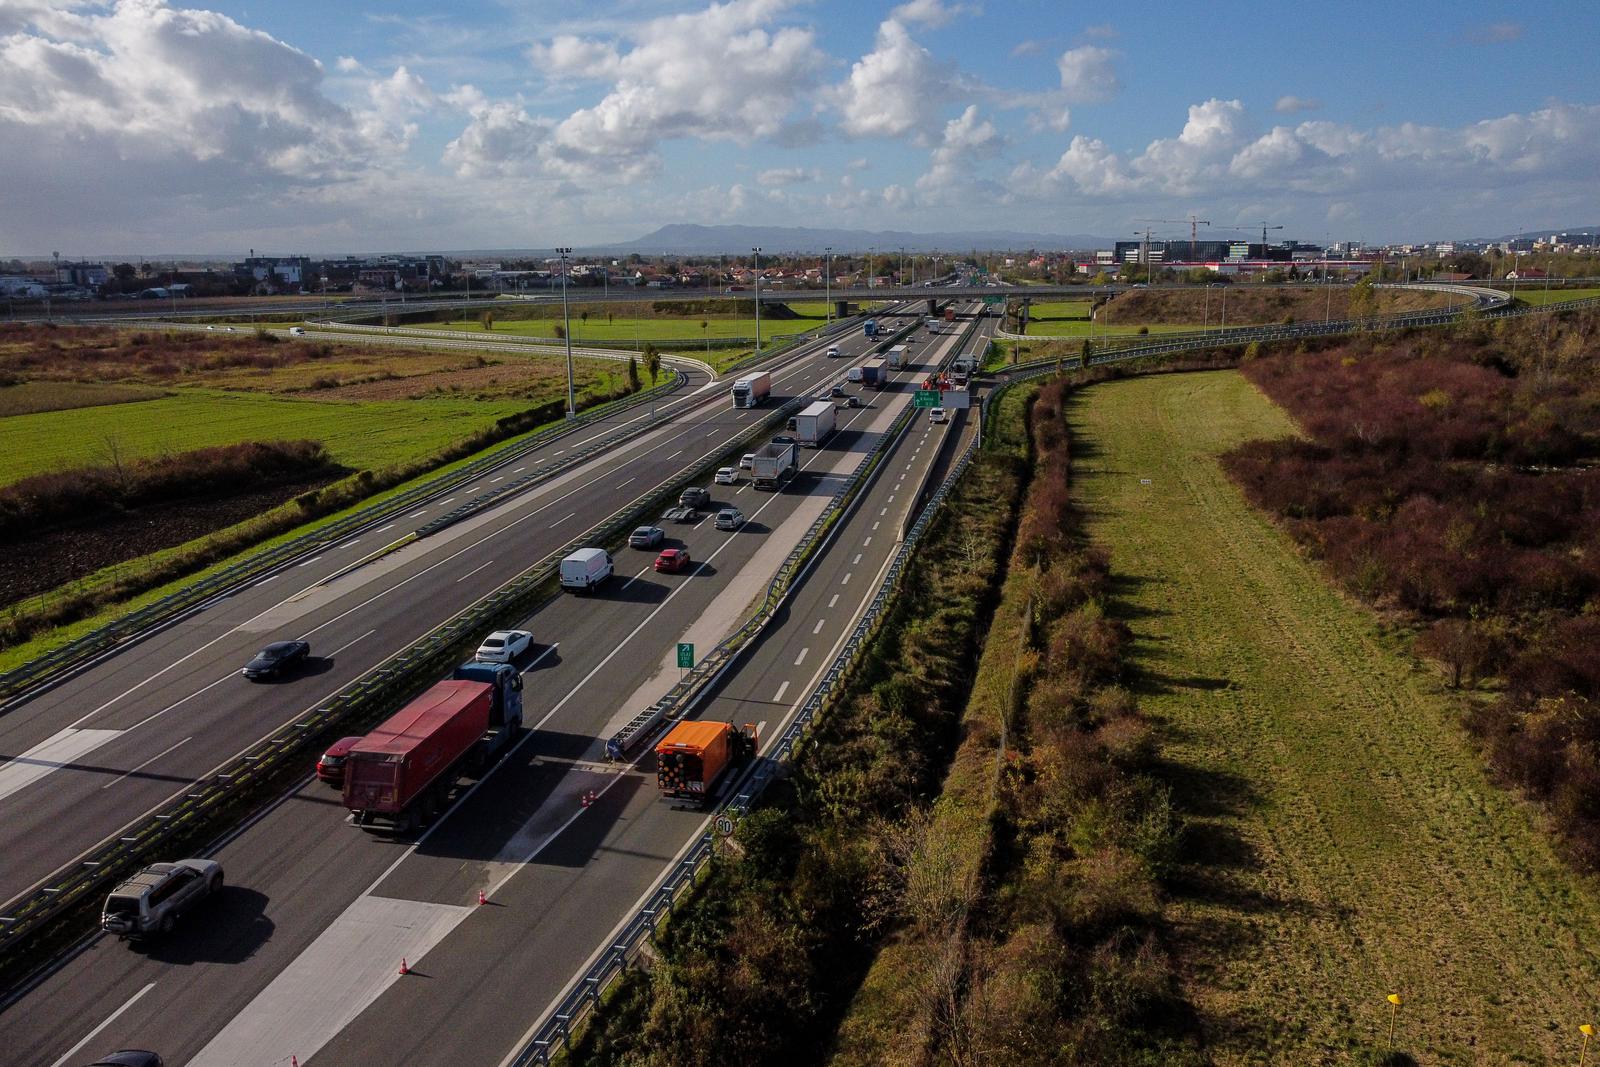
point(400, 775)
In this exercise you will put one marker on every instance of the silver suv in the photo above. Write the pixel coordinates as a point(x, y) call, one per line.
point(151, 901)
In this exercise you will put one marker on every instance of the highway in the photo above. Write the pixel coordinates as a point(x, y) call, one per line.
point(116, 740)
point(299, 957)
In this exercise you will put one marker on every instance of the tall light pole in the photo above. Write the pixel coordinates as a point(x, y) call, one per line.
point(757, 251)
point(900, 279)
point(566, 330)
point(827, 281)
point(872, 253)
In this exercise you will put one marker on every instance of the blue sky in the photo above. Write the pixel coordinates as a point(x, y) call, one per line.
point(140, 125)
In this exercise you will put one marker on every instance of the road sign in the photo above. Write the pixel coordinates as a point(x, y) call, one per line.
point(724, 825)
point(994, 300)
point(685, 655)
point(925, 398)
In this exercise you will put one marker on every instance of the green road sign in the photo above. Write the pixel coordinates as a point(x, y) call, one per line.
point(685, 655)
point(994, 300)
point(925, 398)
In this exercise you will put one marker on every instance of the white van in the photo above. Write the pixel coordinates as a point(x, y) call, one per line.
point(297, 331)
point(854, 374)
point(585, 569)
point(833, 352)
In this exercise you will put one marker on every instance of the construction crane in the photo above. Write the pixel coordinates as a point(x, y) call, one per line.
point(1194, 227)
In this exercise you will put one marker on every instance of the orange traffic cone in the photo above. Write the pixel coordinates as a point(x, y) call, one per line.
point(403, 968)
point(481, 898)
point(294, 1061)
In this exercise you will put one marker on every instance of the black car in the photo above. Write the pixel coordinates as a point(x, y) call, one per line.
point(276, 658)
point(129, 1058)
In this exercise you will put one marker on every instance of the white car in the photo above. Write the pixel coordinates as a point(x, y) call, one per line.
point(503, 646)
point(747, 461)
point(726, 476)
point(834, 352)
point(730, 519)
point(936, 415)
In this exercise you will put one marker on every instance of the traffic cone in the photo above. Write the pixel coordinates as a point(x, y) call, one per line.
point(294, 1061)
point(403, 968)
point(481, 898)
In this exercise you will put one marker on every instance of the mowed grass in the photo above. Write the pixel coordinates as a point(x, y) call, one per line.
point(1344, 842)
point(1531, 295)
point(360, 435)
point(625, 330)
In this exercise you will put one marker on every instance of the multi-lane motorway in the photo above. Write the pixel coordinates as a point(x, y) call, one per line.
point(298, 957)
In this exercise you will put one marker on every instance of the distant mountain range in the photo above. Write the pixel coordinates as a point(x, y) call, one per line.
point(684, 238)
point(1534, 234)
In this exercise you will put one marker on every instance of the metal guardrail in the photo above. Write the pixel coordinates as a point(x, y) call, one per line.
point(229, 788)
point(584, 994)
point(51, 665)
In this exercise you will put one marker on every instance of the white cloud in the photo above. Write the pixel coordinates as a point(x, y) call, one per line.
point(932, 13)
point(1288, 105)
point(895, 89)
point(1088, 74)
point(567, 56)
point(967, 141)
point(778, 176)
point(1027, 48)
point(501, 140)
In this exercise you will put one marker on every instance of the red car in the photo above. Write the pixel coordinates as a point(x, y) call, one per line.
point(330, 768)
point(672, 560)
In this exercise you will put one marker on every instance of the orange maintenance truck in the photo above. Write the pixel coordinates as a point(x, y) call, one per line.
point(693, 755)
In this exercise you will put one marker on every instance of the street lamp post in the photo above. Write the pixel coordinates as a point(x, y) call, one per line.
point(566, 330)
point(757, 251)
point(827, 282)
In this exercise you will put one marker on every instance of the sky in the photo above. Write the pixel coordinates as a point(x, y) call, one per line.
point(323, 126)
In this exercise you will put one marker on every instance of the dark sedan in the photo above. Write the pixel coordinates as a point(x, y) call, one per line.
point(276, 658)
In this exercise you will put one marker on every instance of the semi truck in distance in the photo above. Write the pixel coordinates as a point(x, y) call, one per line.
point(875, 372)
point(774, 463)
point(815, 423)
point(871, 328)
point(751, 390)
point(401, 774)
point(694, 756)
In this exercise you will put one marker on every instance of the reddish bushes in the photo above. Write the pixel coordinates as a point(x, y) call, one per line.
point(1455, 476)
point(83, 492)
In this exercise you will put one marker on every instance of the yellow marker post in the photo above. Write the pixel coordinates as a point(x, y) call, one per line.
point(1587, 1031)
point(1394, 1012)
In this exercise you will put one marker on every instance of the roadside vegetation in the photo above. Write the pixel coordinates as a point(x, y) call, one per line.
point(1455, 479)
point(92, 406)
point(1530, 293)
point(1256, 306)
point(1341, 838)
point(675, 323)
point(763, 959)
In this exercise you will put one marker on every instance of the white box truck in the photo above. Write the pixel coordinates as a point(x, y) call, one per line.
point(815, 423)
point(751, 390)
point(774, 463)
point(897, 356)
point(585, 569)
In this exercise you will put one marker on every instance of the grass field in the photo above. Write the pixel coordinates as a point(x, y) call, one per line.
point(625, 330)
point(359, 435)
point(1349, 844)
point(29, 397)
point(1531, 295)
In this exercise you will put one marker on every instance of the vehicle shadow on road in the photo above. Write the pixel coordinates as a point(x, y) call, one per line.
point(229, 928)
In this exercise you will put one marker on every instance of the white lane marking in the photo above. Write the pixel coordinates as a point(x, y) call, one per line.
point(891, 498)
point(308, 562)
point(801, 658)
point(474, 570)
point(500, 478)
point(347, 644)
point(519, 470)
point(619, 485)
point(145, 764)
point(475, 488)
point(833, 600)
point(417, 514)
point(875, 525)
point(867, 543)
point(676, 454)
point(53, 753)
point(883, 512)
point(636, 577)
point(534, 662)
point(92, 1034)
point(713, 433)
point(269, 578)
point(817, 629)
point(348, 544)
point(558, 452)
point(561, 520)
point(388, 527)
point(845, 580)
point(856, 560)
point(445, 501)
point(782, 689)
point(349, 966)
